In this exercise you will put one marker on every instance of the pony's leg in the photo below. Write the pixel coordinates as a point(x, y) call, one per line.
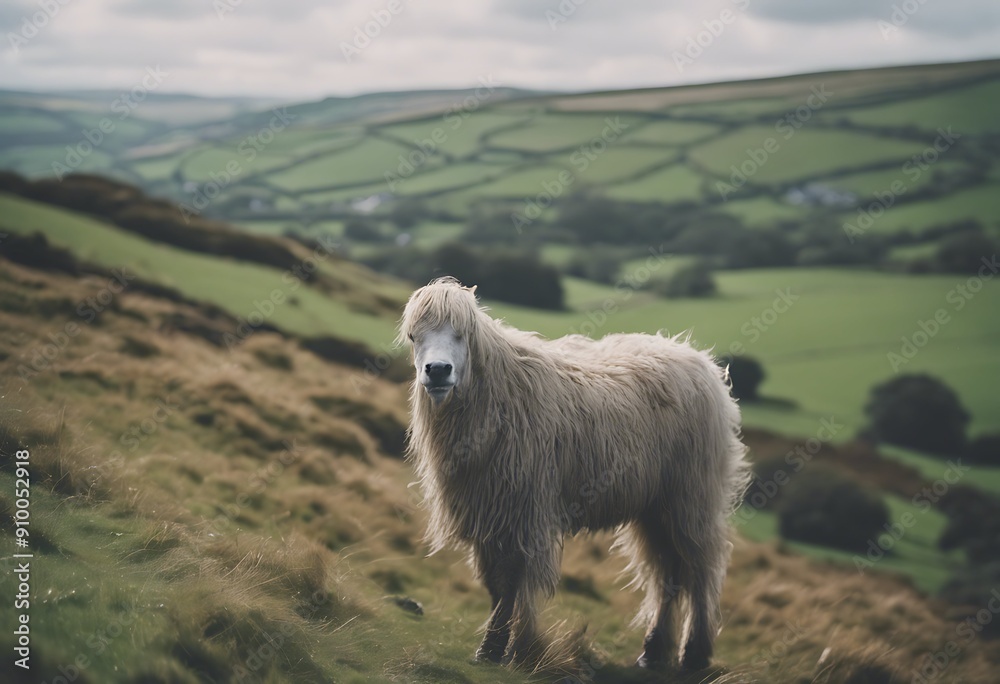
point(705, 557)
point(540, 578)
point(502, 576)
point(662, 603)
point(524, 645)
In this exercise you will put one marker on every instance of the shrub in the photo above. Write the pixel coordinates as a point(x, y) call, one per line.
point(693, 280)
point(964, 252)
point(975, 585)
point(598, 265)
point(521, 279)
point(984, 449)
point(822, 506)
point(767, 482)
point(517, 277)
point(745, 375)
point(34, 250)
point(362, 230)
point(973, 523)
point(919, 412)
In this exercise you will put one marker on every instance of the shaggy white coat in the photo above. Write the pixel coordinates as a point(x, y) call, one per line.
point(542, 438)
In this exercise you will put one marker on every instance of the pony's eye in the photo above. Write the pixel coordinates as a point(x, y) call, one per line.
point(410, 335)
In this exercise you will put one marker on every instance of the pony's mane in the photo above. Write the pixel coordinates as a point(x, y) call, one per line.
point(443, 300)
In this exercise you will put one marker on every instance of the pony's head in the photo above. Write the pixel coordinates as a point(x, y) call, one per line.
point(439, 321)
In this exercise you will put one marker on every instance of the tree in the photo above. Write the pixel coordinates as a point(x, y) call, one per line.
point(964, 252)
point(692, 280)
point(820, 505)
point(919, 412)
point(362, 230)
point(599, 264)
point(515, 277)
point(985, 449)
point(745, 375)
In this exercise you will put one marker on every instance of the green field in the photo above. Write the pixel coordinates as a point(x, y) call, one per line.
point(674, 146)
point(139, 546)
point(825, 352)
point(236, 286)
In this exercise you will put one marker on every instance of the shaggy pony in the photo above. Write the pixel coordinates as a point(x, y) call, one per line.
point(519, 441)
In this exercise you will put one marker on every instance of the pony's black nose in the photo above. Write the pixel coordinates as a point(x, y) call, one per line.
point(437, 371)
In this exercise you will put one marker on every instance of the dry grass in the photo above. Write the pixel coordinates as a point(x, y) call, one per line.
point(264, 484)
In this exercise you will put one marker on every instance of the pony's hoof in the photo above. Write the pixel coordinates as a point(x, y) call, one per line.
point(489, 655)
point(645, 662)
point(695, 664)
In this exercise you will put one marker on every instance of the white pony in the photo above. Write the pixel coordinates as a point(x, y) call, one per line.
point(519, 441)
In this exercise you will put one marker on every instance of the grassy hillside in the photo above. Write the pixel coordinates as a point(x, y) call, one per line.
point(234, 285)
point(825, 351)
point(219, 545)
point(200, 514)
point(144, 135)
point(852, 132)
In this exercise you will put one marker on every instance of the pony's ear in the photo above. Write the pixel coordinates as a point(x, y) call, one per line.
point(472, 289)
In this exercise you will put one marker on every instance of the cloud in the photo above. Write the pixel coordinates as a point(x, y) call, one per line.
point(957, 18)
point(295, 49)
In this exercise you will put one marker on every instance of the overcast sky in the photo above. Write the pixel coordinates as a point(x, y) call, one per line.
point(305, 49)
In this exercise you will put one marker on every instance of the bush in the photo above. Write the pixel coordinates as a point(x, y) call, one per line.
point(964, 252)
point(508, 276)
point(973, 523)
point(919, 412)
point(693, 280)
point(767, 481)
point(975, 585)
point(822, 506)
point(823, 244)
point(745, 375)
point(362, 230)
point(521, 279)
point(514, 277)
point(598, 265)
point(406, 213)
point(34, 250)
point(760, 249)
point(984, 450)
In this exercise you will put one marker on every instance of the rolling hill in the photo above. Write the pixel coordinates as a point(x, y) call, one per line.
point(204, 513)
point(833, 142)
point(225, 433)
